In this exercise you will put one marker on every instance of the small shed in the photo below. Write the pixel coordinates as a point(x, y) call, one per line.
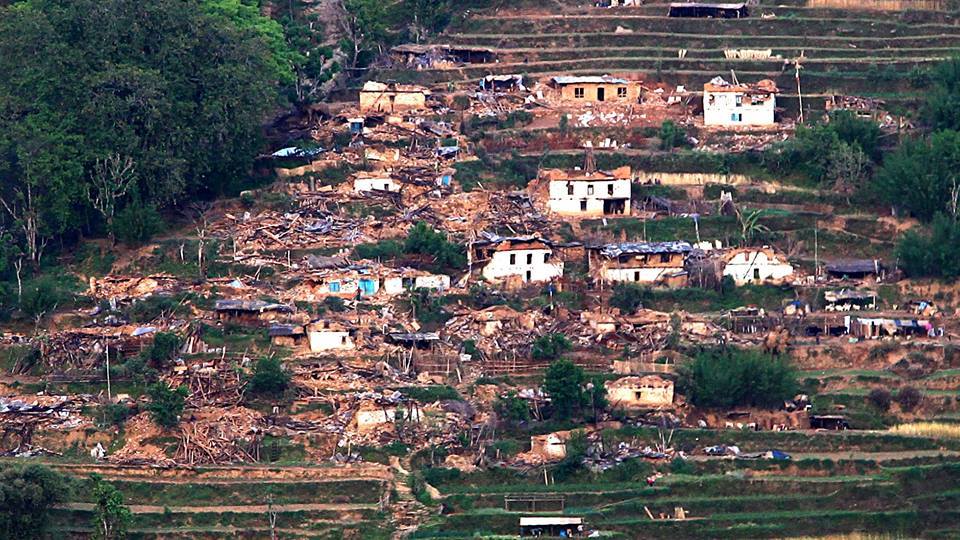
point(708, 10)
point(551, 526)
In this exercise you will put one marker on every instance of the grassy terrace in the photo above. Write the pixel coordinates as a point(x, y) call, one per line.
point(896, 500)
point(846, 50)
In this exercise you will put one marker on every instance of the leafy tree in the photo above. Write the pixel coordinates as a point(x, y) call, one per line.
point(111, 517)
point(26, 497)
point(671, 135)
point(245, 15)
point(849, 168)
point(104, 99)
point(136, 223)
point(269, 377)
point(41, 296)
point(724, 378)
point(550, 346)
point(629, 297)
point(364, 27)
point(334, 304)
point(931, 253)
point(750, 226)
point(512, 408)
point(161, 352)
point(166, 404)
point(909, 397)
point(881, 398)
point(563, 382)
point(941, 110)
point(423, 239)
point(920, 176)
point(853, 130)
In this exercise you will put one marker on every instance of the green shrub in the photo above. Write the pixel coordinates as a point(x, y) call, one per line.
point(511, 408)
point(166, 404)
point(563, 382)
point(880, 398)
point(269, 377)
point(724, 378)
point(550, 346)
point(334, 304)
point(628, 297)
point(162, 350)
point(424, 240)
point(41, 296)
point(909, 398)
point(137, 223)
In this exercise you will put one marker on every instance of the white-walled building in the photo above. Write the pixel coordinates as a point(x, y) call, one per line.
point(726, 104)
point(756, 265)
point(640, 392)
point(378, 182)
point(329, 336)
point(599, 193)
point(400, 284)
point(639, 262)
point(521, 260)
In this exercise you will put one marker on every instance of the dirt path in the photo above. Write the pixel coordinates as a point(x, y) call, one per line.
point(238, 474)
point(854, 455)
point(238, 509)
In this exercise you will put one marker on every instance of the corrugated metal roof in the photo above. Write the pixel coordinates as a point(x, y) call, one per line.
point(644, 248)
point(588, 79)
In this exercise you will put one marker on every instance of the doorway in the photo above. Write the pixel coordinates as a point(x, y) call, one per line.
point(600, 94)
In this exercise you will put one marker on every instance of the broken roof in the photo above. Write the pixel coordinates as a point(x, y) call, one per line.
point(258, 306)
point(588, 79)
point(719, 84)
point(550, 520)
point(855, 266)
point(374, 86)
point(414, 337)
point(644, 248)
point(277, 330)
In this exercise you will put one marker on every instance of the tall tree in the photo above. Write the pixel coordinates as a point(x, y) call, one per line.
point(111, 516)
point(26, 496)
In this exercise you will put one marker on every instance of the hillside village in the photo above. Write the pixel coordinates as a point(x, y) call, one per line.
point(558, 271)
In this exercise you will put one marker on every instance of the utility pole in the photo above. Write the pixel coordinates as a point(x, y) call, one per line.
point(816, 252)
point(109, 395)
point(799, 92)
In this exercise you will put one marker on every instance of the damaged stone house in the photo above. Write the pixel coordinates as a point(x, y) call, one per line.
point(640, 262)
point(734, 104)
point(375, 181)
point(579, 193)
point(392, 97)
point(441, 55)
point(640, 392)
point(249, 312)
point(326, 335)
point(736, 10)
point(574, 88)
point(514, 260)
point(365, 280)
point(756, 265)
point(857, 269)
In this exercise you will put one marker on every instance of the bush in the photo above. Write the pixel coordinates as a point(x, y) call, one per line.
point(424, 240)
point(671, 135)
point(931, 254)
point(161, 352)
point(880, 398)
point(550, 346)
point(563, 382)
point(137, 223)
point(269, 377)
point(334, 304)
point(28, 495)
point(909, 398)
point(41, 296)
point(724, 378)
point(384, 250)
point(166, 404)
point(628, 297)
point(115, 414)
point(511, 408)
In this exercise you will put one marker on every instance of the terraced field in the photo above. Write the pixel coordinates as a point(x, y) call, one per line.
point(229, 502)
point(844, 51)
point(867, 492)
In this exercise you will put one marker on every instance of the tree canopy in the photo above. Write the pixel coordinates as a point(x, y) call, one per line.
point(564, 382)
point(104, 103)
point(26, 496)
point(726, 378)
point(920, 176)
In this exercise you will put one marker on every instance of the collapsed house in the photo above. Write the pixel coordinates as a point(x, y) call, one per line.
point(882, 327)
point(857, 269)
point(596, 88)
point(707, 10)
point(848, 299)
point(866, 108)
point(392, 97)
point(579, 193)
point(756, 265)
point(292, 336)
point(640, 262)
point(441, 55)
point(249, 312)
point(365, 280)
point(502, 83)
point(640, 392)
point(326, 335)
point(514, 260)
point(734, 104)
point(366, 182)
